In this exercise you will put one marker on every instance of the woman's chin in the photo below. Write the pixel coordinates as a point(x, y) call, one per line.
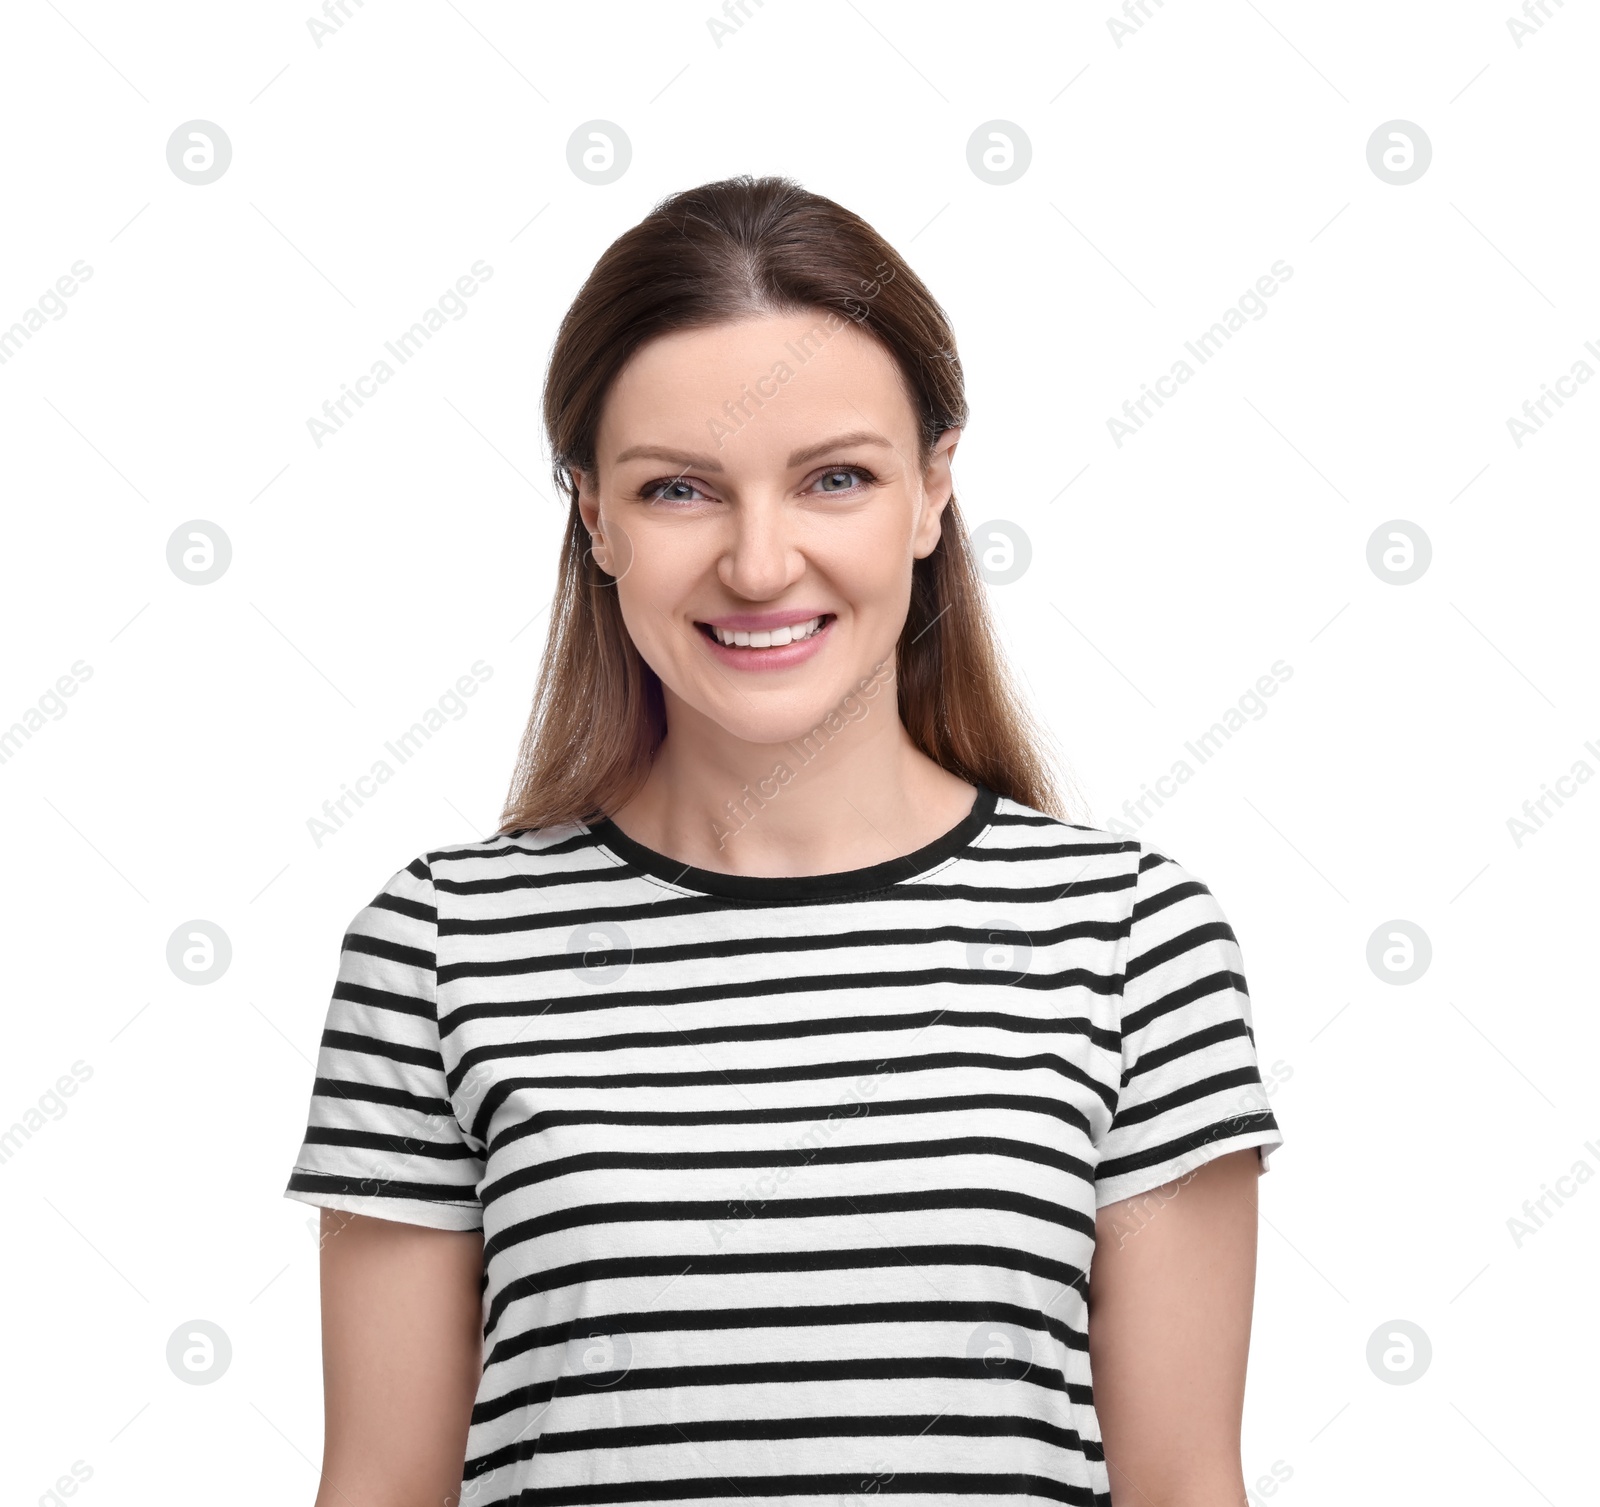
point(802, 729)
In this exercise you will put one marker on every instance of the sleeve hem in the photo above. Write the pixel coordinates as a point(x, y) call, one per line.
point(1131, 1184)
point(438, 1216)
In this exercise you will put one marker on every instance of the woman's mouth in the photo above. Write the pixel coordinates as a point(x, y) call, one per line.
point(771, 638)
point(756, 642)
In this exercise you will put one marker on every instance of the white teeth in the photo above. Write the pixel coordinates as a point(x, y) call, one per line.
point(792, 634)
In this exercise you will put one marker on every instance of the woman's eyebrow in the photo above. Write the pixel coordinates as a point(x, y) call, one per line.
point(684, 458)
point(687, 458)
point(838, 442)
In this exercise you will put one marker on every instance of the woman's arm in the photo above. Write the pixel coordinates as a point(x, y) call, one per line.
point(401, 1356)
point(1170, 1294)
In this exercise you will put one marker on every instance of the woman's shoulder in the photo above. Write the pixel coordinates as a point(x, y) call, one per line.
point(1019, 826)
point(503, 857)
point(569, 847)
point(1023, 826)
point(1108, 855)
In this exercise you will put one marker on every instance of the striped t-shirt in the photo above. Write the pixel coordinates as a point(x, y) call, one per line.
point(787, 1185)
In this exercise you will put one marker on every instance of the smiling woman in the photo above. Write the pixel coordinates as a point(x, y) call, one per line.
point(830, 498)
point(788, 1168)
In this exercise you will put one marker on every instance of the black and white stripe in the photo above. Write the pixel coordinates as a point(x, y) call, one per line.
point(788, 1186)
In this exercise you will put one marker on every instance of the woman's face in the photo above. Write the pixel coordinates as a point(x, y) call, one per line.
point(760, 504)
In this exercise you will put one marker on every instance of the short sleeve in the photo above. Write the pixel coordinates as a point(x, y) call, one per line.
point(382, 1136)
point(1191, 1086)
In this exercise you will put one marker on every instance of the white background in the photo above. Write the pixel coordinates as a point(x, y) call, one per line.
point(1168, 574)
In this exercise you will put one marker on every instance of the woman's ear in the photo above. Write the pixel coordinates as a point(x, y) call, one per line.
point(938, 485)
point(588, 501)
point(589, 512)
point(609, 545)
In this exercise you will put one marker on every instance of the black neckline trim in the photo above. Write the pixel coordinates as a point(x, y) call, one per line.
point(800, 886)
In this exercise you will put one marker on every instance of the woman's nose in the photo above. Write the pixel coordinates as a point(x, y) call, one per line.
point(759, 558)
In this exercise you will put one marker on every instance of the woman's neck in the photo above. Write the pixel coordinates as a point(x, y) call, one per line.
point(842, 797)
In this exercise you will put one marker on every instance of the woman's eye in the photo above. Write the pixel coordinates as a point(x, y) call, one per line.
point(668, 489)
point(674, 489)
point(850, 476)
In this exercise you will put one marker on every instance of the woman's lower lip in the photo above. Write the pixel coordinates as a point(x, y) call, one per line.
point(780, 657)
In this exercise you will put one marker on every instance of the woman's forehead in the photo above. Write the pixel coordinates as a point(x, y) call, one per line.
point(777, 384)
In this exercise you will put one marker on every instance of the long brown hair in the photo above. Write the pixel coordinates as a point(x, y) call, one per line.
point(722, 252)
